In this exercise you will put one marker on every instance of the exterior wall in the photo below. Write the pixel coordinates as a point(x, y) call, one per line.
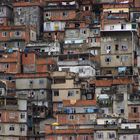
point(120, 51)
point(68, 84)
point(32, 83)
point(77, 118)
point(13, 37)
point(129, 136)
point(27, 15)
point(5, 15)
point(58, 15)
point(118, 27)
point(64, 94)
point(134, 112)
point(10, 63)
point(105, 135)
point(16, 132)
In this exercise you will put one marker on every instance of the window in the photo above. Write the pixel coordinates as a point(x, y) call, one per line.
point(122, 111)
point(108, 49)
point(111, 135)
point(124, 48)
point(70, 93)
point(6, 66)
point(108, 59)
point(71, 117)
point(133, 26)
point(117, 56)
point(134, 109)
point(99, 135)
point(22, 115)
point(86, 8)
point(65, 13)
point(17, 44)
point(4, 45)
point(111, 27)
point(124, 58)
point(41, 81)
point(56, 93)
point(12, 128)
point(22, 128)
point(89, 96)
point(116, 47)
point(123, 26)
point(4, 34)
point(17, 33)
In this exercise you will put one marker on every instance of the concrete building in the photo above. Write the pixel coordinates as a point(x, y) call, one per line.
point(129, 131)
point(37, 87)
point(72, 122)
point(6, 14)
point(56, 15)
point(29, 14)
point(65, 85)
point(118, 52)
point(13, 117)
point(80, 63)
point(16, 37)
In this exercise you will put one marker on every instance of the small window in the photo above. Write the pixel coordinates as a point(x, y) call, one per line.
point(26, 55)
point(124, 48)
point(116, 47)
point(11, 128)
point(134, 26)
point(117, 56)
point(22, 115)
point(111, 135)
point(17, 33)
point(135, 109)
point(41, 81)
point(4, 34)
point(65, 13)
point(122, 111)
point(99, 135)
point(123, 26)
point(70, 93)
point(108, 59)
point(56, 93)
point(111, 27)
point(71, 117)
point(22, 128)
